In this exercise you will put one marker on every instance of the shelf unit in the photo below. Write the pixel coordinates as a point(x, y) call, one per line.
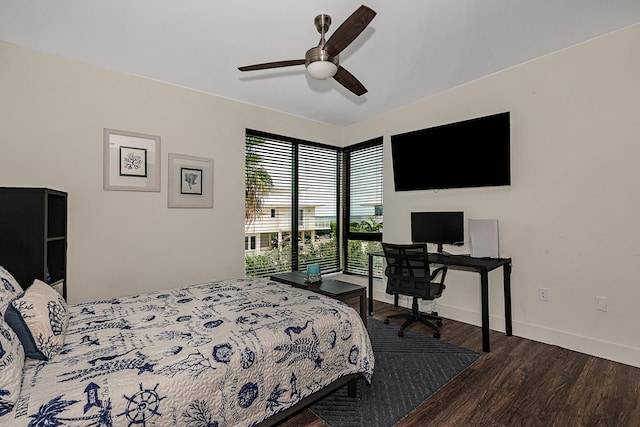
point(33, 235)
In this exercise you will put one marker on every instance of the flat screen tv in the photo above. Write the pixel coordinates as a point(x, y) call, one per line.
point(438, 227)
point(471, 153)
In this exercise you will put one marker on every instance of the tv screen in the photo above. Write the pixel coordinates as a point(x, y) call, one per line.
point(437, 227)
point(471, 153)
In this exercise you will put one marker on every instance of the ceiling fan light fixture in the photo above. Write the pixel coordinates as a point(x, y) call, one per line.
point(320, 65)
point(322, 70)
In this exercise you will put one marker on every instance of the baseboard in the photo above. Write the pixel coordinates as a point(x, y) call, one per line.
point(582, 344)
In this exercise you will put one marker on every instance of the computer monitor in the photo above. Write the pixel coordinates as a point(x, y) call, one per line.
point(437, 227)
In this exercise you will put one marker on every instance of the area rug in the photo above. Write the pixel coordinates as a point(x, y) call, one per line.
point(407, 371)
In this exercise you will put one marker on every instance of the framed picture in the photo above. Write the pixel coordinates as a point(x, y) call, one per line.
point(131, 161)
point(190, 181)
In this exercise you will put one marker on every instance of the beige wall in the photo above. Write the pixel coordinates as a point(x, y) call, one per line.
point(53, 111)
point(570, 218)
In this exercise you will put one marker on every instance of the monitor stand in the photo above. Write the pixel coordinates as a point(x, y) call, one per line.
point(440, 251)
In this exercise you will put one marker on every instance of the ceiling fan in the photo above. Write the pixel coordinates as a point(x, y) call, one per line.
point(323, 61)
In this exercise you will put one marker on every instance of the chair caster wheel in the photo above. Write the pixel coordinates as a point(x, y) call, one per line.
point(386, 321)
point(439, 323)
point(437, 335)
point(400, 333)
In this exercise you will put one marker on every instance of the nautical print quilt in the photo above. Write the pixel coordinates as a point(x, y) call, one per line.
point(228, 353)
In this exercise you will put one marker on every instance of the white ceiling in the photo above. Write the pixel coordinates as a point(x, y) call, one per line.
point(411, 50)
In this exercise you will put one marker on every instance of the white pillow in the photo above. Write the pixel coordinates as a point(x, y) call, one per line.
point(11, 364)
point(39, 317)
point(9, 288)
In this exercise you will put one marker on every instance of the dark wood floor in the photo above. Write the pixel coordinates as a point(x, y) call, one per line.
point(520, 383)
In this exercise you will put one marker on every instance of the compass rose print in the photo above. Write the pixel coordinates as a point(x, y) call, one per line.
point(142, 406)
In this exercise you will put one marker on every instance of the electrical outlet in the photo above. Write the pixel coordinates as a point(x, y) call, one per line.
point(601, 303)
point(543, 294)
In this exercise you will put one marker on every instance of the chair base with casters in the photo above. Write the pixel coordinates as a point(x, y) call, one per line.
point(416, 316)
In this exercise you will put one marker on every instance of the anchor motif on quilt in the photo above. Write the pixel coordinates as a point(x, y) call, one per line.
point(302, 348)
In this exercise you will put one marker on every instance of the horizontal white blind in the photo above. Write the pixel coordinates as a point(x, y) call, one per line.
point(270, 215)
point(365, 208)
point(318, 201)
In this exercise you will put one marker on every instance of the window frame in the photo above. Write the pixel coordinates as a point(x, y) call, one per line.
point(296, 143)
point(347, 234)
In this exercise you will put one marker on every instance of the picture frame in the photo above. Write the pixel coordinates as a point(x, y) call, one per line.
point(131, 161)
point(190, 182)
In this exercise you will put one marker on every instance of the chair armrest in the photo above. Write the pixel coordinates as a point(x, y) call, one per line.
point(437, 271)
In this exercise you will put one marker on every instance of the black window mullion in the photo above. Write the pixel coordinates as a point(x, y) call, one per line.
point(295, 191)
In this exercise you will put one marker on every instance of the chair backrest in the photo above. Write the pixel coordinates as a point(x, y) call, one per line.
point(408, 271)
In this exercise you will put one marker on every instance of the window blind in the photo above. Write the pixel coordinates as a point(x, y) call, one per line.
point(291, 204)
point(364, 193)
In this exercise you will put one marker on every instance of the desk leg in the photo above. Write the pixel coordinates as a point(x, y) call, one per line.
point(370, 296)
point(484, 296)
point(363, 307)
point(507, 299)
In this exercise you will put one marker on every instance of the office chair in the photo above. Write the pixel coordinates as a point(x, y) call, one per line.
point(408, 273)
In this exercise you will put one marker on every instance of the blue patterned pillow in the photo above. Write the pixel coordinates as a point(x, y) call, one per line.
point(9, 288)
point(40, 318)
point(11, 364)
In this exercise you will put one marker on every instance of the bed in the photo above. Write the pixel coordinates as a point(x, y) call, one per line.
point(240, 352)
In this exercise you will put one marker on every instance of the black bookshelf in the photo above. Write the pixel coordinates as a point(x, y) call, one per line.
point(33, 235)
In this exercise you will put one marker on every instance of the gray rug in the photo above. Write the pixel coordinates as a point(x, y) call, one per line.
point(407, 371)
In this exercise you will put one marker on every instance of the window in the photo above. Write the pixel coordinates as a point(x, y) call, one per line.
point(363, 207)
point(299, 181)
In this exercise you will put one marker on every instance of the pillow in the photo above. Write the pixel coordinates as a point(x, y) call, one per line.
point(9, 288)
point(11, 364)
point(39, 317)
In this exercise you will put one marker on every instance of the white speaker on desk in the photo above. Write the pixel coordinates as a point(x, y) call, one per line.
point(483, 238)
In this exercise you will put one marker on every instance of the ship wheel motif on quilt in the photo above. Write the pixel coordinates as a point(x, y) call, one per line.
point(142, 406)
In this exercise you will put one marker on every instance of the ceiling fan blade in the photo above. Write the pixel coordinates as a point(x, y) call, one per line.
point(349, 30)
point(277, 64)
point(348, 80)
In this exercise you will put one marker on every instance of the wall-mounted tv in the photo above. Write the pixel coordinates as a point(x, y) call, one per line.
point(471, 153)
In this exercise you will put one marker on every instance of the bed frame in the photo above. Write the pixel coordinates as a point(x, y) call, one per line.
point(349, 380)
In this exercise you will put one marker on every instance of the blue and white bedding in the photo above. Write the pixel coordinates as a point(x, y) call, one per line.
point(229, 353)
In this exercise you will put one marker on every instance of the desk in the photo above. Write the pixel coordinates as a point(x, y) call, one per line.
point(466, 263)
point(330, 287)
